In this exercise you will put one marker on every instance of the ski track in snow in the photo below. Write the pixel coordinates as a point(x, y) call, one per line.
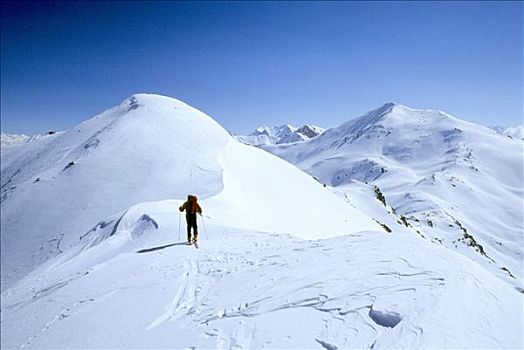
point(350, 292)
point(185, 298)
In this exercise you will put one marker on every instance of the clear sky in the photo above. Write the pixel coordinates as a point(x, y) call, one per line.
point(261, 63)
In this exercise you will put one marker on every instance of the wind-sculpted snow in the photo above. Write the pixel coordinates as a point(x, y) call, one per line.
point(277, 198)
point(245, 289)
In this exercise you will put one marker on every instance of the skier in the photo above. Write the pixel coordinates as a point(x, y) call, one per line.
point(192, 208)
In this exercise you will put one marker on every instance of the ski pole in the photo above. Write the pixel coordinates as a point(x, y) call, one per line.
point(204, 224)
point(179, 215)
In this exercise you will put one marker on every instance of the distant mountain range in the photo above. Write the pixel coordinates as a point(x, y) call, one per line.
point(275, 135)
point(516, 132)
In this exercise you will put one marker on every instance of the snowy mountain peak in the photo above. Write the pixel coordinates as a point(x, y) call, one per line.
point(152, 101)
point(310, 131)
point(142, 98)
point(273, 130)
point(391, 108)
point(147, 148)
point(12, 139)
point(394, 115)
point(283, 134)
point(262, 130)
point(433, 167)
point(390, 105)
point(375, 115)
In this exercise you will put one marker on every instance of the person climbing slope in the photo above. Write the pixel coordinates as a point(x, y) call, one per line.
point(192, 208)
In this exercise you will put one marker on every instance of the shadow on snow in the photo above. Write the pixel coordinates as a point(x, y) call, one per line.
point(148, 250)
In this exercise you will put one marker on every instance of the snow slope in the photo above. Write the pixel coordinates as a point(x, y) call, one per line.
point(151, 148)
point(142, 288)
point(458, 183)
point(274, 135)
point(284, 261)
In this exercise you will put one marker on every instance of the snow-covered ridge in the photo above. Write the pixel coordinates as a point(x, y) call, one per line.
point(152, 148)
point(438, 171)
point(274, 135)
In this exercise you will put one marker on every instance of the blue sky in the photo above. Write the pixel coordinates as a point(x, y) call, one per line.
point(252, 63)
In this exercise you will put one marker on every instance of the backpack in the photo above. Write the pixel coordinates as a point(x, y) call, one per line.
point(192, 204)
